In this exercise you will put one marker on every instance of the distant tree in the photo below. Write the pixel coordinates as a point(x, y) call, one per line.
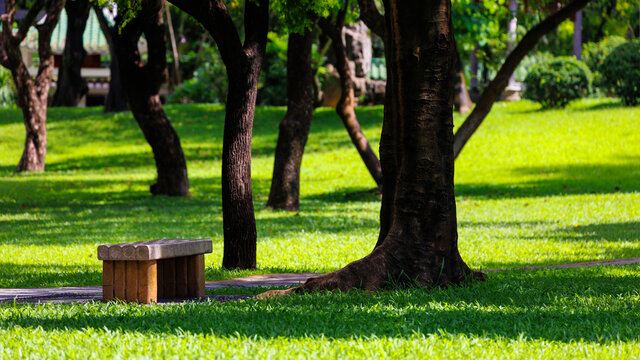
point(294, 127)
point(32, 93)
point(71, 87)
point(492, 92)
point(115, 100)
point(345, 108)
point(142, 81)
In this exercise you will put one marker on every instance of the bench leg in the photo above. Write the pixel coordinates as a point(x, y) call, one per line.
point(169, 278)
point(131, 280)
point(107, 280)
point(181, 277)
point(195, 276)
point(119, 280)
point(147, 281)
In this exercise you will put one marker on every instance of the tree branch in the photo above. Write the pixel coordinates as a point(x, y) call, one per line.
point(29, 20)
point(256, 25)
point(215, 18)
point(371, 17)
point(45, 69)
point(499, 83)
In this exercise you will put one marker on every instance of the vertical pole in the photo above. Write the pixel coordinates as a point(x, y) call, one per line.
point(511, 31)
point(174, 48)
point(577, 36)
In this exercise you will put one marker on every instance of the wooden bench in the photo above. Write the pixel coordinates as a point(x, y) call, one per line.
point(150, 270)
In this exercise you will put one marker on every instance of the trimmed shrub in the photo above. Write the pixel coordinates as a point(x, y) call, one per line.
point(593, 54)
point(558, 81)
point(621, 72)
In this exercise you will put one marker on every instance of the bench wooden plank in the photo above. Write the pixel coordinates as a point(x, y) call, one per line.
point(154, 250)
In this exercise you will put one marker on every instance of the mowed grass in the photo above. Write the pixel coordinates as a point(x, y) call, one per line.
point(533, 187)
point(546, 314)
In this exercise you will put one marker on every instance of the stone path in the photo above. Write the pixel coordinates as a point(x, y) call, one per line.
point(94, 293)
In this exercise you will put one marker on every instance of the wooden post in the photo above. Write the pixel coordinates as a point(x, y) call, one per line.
point(159, 279)
point(181, 277)
point(169, 278)
point(107, 280)
point(131, 281)
point(147, 281)
point(195, 270)
point(119, 280)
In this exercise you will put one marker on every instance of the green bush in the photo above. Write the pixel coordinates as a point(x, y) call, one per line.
point(593, 54)
point(208, 83)
point(621, 72)
point(558, 81)
point(7, 89)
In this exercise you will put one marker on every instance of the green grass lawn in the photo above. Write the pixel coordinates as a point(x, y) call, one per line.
point(533, 187)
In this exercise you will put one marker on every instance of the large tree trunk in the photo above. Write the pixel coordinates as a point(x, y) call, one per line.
point(71, 87)
point(419, 240)
point(346, 105)
point(243, 62)
point(142, 84)
point(499, 83)
point(294, 128)
point(116, 100)
point(32, 93)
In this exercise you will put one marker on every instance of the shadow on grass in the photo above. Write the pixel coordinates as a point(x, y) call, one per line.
point(36, 275)
point(560, 305)
point(571, 179)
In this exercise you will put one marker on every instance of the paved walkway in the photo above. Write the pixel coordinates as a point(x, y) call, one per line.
point(94, 293)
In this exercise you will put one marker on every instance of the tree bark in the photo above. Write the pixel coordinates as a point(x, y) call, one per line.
point(499, 83)
point(243, 62)
point(142, 83)
point(420, 243)
point(71, 87)
point(294, 128)
point(32, 94)
point(116, 100)
point(345, 108)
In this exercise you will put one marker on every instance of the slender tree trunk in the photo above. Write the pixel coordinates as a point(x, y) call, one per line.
point(71, 87)
point(294, 128)
point(32, 99)
point(461, 100)
point(346, 105)
point(499, 83)
point(420, 242)
point(243, 62)
point(116, 100)
point(237, 199)
point(142, 84)
point(32, 93)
